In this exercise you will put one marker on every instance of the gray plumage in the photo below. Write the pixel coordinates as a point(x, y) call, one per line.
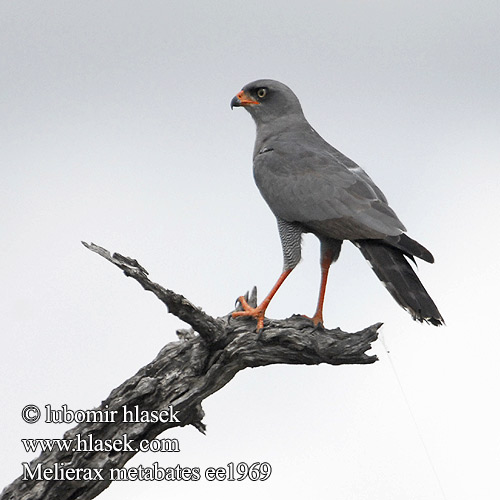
point(291, 238)
point(312, 187)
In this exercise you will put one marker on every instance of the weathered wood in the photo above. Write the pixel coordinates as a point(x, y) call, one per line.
point(183, 374)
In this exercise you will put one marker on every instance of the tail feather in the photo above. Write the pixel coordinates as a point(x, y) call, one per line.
point(410, 247)
point(392, 268)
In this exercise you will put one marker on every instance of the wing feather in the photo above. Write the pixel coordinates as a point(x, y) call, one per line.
point(323, 190)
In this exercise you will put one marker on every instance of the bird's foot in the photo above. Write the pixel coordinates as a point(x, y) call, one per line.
point(317, 319)
point(253, 312)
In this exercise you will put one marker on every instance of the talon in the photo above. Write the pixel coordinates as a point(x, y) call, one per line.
point(246, 308)
point(253, 312)
point(259, 311)
point(244, 303)
point(240, 300)
point(316, 319)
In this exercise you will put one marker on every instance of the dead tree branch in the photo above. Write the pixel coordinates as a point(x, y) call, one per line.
point(183, 374)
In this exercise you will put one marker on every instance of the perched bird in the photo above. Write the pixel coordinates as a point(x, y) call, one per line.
point(313, 188)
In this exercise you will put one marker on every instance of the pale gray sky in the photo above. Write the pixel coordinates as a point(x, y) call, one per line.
point(116, 129)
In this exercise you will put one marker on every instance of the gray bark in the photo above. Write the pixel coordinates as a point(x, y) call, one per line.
point(185, 372)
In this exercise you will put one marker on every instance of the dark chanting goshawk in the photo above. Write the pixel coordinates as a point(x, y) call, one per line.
point(313, 188)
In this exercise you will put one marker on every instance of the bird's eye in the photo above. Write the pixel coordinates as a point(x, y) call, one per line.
point(262, 93)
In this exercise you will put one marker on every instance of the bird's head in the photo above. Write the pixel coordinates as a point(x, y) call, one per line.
point(267, 100)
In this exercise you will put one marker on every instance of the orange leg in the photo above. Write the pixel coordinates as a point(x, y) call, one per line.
point(326, 262)
point(259, 311)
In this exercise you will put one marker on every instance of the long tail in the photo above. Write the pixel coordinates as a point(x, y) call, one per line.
point(392, 268)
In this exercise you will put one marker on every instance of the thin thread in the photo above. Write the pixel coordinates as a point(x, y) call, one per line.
point(421, 437)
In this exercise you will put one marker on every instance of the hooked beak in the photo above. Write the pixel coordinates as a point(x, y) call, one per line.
point(242, 99)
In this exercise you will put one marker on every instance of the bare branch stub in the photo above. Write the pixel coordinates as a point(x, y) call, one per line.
point(183, 374)
point(208, 328)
